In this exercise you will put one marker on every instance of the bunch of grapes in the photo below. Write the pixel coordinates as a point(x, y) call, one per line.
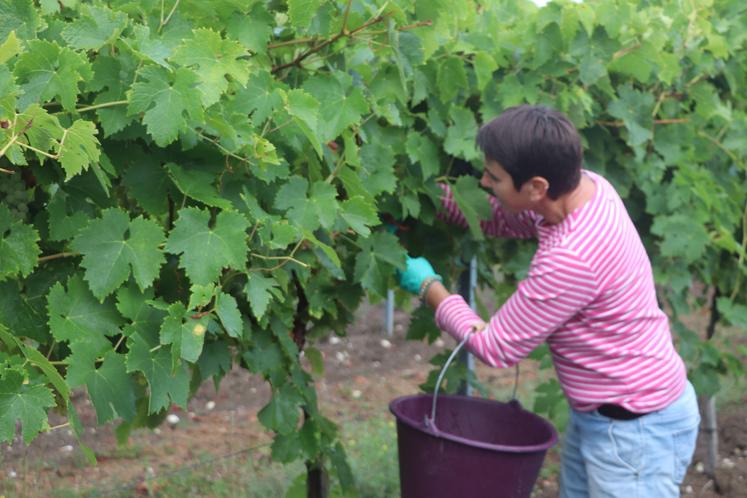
point(14, 195)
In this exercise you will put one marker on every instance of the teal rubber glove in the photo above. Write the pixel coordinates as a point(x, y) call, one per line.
point(416, 271)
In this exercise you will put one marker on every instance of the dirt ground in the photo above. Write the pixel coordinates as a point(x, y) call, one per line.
point(364, 371)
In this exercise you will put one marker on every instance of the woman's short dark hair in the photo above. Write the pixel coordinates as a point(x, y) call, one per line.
point(534, 140)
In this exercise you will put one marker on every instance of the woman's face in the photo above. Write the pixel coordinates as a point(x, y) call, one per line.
point(499, 182)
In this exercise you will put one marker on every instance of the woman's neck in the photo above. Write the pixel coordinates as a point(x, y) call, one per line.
point(555, 211)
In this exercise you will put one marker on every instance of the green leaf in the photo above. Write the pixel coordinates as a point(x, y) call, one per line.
point(254, 30)
point(451, 78)
point(46, 71)
point(185, 333)
point(9, 48)
point(166, 101)
point(206, 250)
point(305, 109)
point(484, 65)
point(259, 292)
point(316, 360)
point(78, 148)
point(260, 98)
point(634, 108)
point(681, 237)
point(213, 59)
point(197, 184)
point(114, 244)
point(734, 313)
point(636, 62)
point(229, 314)
point(359, 214)
point(422, 326)
point(309, 213)
point(166, 387)
point(19, 16)
point(111, 389)
point(473, 203)
point(380, 255)
point(281, 414)
point(25, 403)
point(342, 105)
point(74, 314)
point(421, 149)
point(460, 135)
point(96, 27)
point(19, 249)
point(301, 12)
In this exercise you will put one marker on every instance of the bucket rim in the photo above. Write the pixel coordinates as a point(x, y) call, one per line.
point(471, 442)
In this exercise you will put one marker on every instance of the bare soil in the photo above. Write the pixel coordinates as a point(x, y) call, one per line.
point(364, 371)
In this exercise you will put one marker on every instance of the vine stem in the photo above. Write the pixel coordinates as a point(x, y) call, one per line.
point(223, 149)
point(284, 260)
point(57, 256)
point(343, 32)
point(164, 22)
point(621, 124)
point(721, 146)
point(102, 105)
point(61, 426)
point(119, 342)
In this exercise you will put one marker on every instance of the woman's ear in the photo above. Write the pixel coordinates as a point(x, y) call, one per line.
point(537, 188)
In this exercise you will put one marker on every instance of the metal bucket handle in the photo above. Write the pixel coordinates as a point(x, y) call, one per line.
point(431, 422)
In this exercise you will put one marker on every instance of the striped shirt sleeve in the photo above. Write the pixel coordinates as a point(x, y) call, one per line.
point(501, 224)
point(557, 287)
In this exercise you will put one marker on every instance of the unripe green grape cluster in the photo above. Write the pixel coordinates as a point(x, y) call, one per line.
point(14, 195)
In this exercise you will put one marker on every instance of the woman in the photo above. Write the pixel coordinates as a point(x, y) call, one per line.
point(590, 294)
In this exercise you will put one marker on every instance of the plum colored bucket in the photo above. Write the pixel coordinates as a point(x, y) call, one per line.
point(474, 447)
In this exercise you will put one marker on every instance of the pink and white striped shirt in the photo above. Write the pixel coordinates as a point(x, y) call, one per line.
point(590, 294)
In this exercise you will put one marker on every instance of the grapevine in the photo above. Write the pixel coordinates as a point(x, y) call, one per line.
point(206, 186)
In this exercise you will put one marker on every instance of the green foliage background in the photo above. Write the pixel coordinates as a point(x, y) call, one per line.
point(203, 183)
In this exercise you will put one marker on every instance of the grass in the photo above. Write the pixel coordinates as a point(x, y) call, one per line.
point(372, 452)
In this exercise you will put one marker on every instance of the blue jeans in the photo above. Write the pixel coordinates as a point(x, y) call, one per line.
point(642, 458)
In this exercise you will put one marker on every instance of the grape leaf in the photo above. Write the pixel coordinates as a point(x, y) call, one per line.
point(185, 333)
point(229, 314)
point(166, 387)
point(111, 389)
point(74, 314)
point(380, 255)
point(213, 59)
point(113, 245)
point(342, 104)
point(166, 102)
point(302, 11)
point(681, 236)
point(281, 413)
point(309, 213)
point(460, 135)
point(197, 184)
point(259, 292)
point(360, 214)
point(634, 109)
point(9, 48)
point(19, 16)
point(78, 148)
point(19, 249)
point(206, 250)
point(46, 71)
point(96, 26)
point(473, 203)
point(451, 78)
point(27, 403)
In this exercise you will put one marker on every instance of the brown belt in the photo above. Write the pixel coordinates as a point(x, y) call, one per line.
point(617, 412)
